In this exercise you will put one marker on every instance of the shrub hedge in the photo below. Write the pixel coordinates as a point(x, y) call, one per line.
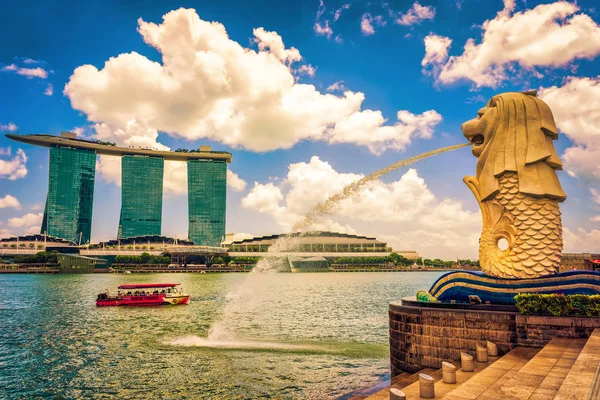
point(559, 305)
point(41, 257)
point(425, 296)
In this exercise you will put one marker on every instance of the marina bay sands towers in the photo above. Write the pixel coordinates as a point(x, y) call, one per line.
point(72, 167)
point(141, 196)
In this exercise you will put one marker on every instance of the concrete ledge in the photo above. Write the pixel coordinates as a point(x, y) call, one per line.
point(425, 336)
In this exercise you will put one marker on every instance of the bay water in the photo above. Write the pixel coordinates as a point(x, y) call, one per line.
point(305, 335)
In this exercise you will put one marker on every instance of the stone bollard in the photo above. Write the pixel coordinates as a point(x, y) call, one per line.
point(448, 372)
point(466, 362)
point(492, 349)
point(426, 388)
point(482, 355)
point(397, 394)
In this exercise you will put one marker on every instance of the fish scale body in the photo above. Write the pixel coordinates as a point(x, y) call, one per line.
point(537, 233)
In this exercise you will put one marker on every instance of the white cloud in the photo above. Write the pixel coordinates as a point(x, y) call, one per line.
point(30, 61)
point(27, 220)
point(9, 201)
point(595, 196)
point(416, 14)
point(306, 69)
point(339, 11)
point(37, 72)
point(174, 177)
point(323, 29)
point(596, 199)
point(49, 90)
point(15, 168)
point(367, 21)
point(32, 230)
point(236, 183)
point(321, 26)
point(337, 86)
point(365, 25)
point(37, 207)
point(382, 137)
point(549, 35)
point(575, 107)
point(581, 241)
point(445, 244)
point(10, 127)
point(436, 49)
point(209, 86)
point(109, 168)
point(397, 206)
point(273, 43)
point(265, 198)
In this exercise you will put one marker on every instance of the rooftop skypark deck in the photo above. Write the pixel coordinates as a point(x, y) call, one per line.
point(68, 139)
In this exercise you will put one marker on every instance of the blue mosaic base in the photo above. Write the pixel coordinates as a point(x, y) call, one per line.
point(458, 285)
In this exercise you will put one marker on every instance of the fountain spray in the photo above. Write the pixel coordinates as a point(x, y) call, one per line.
point(237, 299)
point(329, 206)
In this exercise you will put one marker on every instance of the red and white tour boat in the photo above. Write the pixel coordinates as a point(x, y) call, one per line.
point(146, 294)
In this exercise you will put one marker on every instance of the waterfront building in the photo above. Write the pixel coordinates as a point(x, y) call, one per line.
point(32, 244)
point(207, 191)
point(579, 262)
point(324, 243)
point(141, 194)
point(69, 203)
point(68, 212)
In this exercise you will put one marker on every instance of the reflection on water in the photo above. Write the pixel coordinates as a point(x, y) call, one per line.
point(303, 336)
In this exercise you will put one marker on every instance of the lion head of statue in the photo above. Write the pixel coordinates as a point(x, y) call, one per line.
point(515, 132)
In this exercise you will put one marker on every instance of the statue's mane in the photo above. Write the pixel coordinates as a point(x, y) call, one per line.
point(521, 143)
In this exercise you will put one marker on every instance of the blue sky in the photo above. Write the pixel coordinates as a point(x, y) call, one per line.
point(306, 104)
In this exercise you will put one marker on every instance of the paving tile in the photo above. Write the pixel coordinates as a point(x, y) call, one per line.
point(515, 392)
point(572, 392)
point(578, 381)
point(564, 368)
point(542, 394)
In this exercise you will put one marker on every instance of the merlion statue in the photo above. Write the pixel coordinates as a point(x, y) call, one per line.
point(516, 186)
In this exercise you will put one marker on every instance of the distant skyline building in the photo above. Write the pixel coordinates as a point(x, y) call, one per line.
point(70, 199)
point(69, 204)
point(141, 196)
point(207, 198)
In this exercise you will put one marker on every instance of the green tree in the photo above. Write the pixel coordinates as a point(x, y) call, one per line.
point(145, 258)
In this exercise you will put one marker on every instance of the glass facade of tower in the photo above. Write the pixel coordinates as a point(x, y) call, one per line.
point(68, 212)
point(207, 194)
point(141, 196)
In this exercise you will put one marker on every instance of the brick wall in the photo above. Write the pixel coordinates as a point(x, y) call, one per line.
point(424, 337)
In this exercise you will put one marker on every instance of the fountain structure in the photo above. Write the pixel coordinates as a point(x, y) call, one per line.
point(518, 191)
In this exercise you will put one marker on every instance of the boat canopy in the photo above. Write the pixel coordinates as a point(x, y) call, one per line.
point(149, 285)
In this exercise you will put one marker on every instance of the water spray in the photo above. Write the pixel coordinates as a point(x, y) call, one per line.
point(219, 334)
point(328, 207)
